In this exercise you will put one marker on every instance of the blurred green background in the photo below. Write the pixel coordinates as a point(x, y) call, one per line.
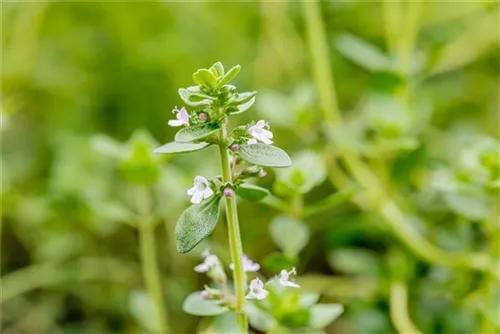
point(418, 86)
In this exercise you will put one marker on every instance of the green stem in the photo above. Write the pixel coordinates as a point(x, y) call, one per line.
point(235, 245)
point(399, 309)
point(321, 64)
point(378, 199)
point(149, 260)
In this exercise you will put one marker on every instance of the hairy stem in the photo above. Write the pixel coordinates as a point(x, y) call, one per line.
point(149, 261)
point(235, 246)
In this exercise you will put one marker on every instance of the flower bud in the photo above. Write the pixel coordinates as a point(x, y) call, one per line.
point(262, 173)
point(228, 192)
point(203, 116)
point(235, 147)
point(205, 295)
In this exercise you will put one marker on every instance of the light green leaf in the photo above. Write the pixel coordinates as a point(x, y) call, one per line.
point(308, 299)
point(142, 310)
point(196, 223)
point(217, 69)
point(289, 234)
point(363, 53)
point(355, 261)
point(195, 99)
point(243, 107)
point(265, 155)
point(308, 170)
point(175, 147)
point(230, 75)
point(258, 318)
point(252, 192)
point(205, 78)
point(324, 314)
point(195, 305)
point(194, 133)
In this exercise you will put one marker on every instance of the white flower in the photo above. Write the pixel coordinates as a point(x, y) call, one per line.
point(200, 190)
point(248, 265)
point(260, 132)
point(209, 262)
point(285, 278)
point(182, 117)
point(257, 290)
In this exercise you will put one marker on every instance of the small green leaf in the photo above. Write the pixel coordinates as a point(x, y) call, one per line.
point(259, 318)
point(277, 261)
point(324, 314)
point(195, 133)
point(308, 171)
point(355, 261)
point(243, 107)
point(252, 192)
point(196, 223)
point(217, 69)
point(289, 234)
point(205, 78)
point(265, 155)
point(175, 147)
point(141, 308)
point(363, 53)
point(230, 75)
point(194, 99)
point(195, 305)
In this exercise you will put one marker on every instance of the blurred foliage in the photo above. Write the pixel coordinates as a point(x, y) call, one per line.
point(417, 84)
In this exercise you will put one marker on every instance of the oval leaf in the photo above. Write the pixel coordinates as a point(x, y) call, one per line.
point(265, 155)
point(324, 314)
point(196, 223)
point(243, 107)
point(205, 78)
point(252, 192)
point(289, 234)
point(175, 147)
point(195, 305)
point(194, 133)
point(230, 75)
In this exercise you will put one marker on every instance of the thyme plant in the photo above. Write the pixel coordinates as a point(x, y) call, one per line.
point(243, 150)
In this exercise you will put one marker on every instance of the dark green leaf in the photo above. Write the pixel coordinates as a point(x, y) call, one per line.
point(195, 133)
point(195, 305)
point(277, 261)
point(196, 223)
point(265, 155)
point(175, 147)
point(252, 192)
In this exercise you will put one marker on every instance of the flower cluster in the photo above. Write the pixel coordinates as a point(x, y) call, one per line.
point(256, 289)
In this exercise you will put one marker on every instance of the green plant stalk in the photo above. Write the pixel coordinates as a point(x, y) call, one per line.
point(149, 261)
point(378, 199)
point(399, 309)
point(235, 246)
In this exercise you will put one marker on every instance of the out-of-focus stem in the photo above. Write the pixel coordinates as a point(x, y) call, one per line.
point(235, 245)
point(149, 261)
point(377, 197)
point(399, 309)
point(320, 63)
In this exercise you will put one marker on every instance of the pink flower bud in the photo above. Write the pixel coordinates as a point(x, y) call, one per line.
point(228, 192)
point(235, 147)
point(203, 116)
point(205, 295)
